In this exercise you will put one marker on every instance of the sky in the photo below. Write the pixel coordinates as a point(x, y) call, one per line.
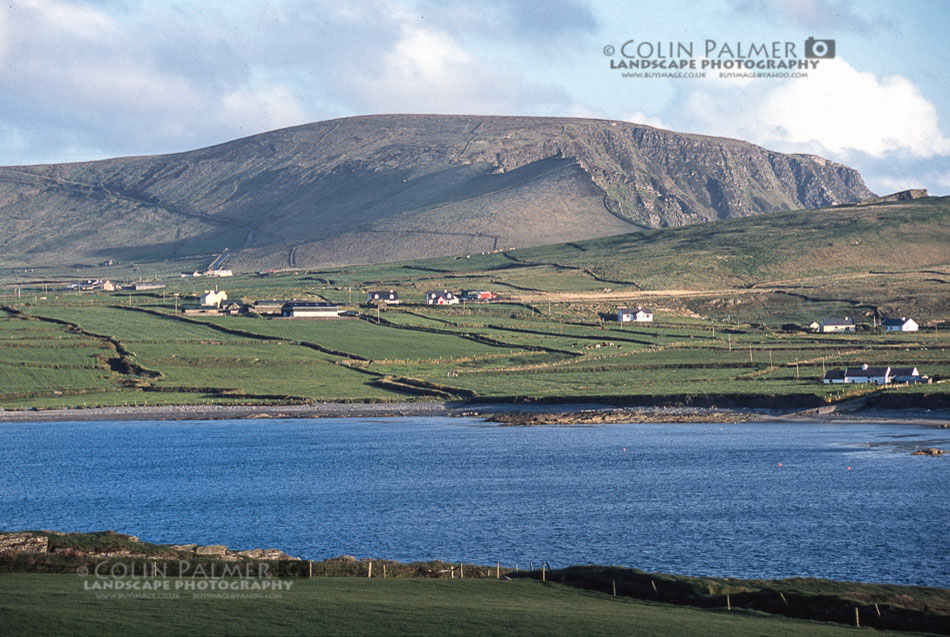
point(91, 80)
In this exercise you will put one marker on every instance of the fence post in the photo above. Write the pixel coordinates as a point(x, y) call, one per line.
point(857, 618)
point(370, 574)
point(615, 586)
point(498, 570)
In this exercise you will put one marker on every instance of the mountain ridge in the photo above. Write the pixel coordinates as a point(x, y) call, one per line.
point(389, 187)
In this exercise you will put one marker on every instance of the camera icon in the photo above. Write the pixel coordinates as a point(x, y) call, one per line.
point(821, 49)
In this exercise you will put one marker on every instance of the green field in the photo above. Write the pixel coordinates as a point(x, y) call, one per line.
point(732, 301)
point(33, 604)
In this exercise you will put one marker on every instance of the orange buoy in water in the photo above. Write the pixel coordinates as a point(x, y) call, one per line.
point(780, 464)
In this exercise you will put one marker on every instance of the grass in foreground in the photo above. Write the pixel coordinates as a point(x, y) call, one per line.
point(32, 604)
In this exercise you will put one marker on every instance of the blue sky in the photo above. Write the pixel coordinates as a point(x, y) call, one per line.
point(88, 80)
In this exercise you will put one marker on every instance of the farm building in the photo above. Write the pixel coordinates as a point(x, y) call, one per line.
point(214, 298)
point(478, 295)
point(900, 325)
point(639, 315)
point(302, 309)
point(814, 326)
point(269, 308)
point(831, 325)
point(91, 284)
point(388, 297)
point(443, 297)
point(834, 376)
point(234, 308)
point(201, 310)
point(908, 375)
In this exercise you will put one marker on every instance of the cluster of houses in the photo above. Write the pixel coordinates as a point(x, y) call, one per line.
point(212, 273)
point(433, 297)
point(876, 375)
point(833, 325)
point(215, 303)
point(105, 285)
point(92, 284)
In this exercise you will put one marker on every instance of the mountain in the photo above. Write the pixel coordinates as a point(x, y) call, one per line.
point(394, 187)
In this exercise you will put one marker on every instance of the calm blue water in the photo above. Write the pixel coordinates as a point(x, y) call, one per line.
point(693, 499)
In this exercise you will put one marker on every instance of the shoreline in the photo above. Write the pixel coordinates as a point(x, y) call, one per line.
point(505, 414)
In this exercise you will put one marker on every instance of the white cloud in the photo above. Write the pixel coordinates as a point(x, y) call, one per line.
point(425, 56)
point(427, 70)
point(77, 19)
point(4, 32)
point(639, 117)
point(836, 110)
point(136, 77)
point(261, 109)
point(821, 15)
point(845, 110)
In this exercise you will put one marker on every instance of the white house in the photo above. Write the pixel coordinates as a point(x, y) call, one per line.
point(639, 315)
point(832, 324)
point(443, 297)
point(213, 298)
point(866, 374)
point(380, 297)
point(862, 374)
point(900, 325)
point(876, 375)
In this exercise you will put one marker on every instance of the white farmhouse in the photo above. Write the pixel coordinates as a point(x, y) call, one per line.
point(830, 325)
point(214, 298)
point(639, 315)
point(900, 325)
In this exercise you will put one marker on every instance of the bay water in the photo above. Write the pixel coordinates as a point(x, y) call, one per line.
point(844, 501)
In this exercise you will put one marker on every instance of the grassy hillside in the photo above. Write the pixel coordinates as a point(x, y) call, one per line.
point(45, 604)
point(386, 188)
point(346, 595)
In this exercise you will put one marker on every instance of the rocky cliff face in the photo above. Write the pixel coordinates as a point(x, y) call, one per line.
point(395, 187)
